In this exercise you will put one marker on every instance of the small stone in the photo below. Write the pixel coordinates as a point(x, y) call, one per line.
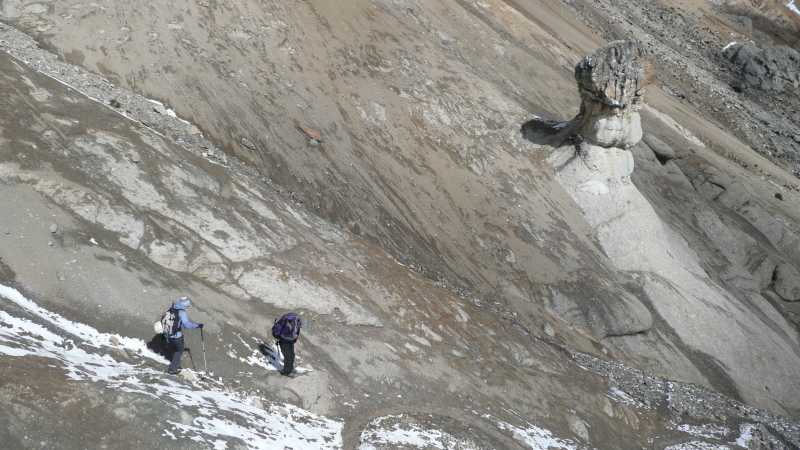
point(312, 134)
point(189, 375)
point(54, 228)
point(49, 243)
point(549, 330)
point(248, 144)
point(779, 196)
point(136, 159)
point(115, 103)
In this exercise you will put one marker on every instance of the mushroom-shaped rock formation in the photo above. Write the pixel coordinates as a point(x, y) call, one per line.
point(611, 83)
point(593, 164)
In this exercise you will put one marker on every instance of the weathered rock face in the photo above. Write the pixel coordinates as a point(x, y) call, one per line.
point(706, 316)
point(415, 147)
point(139, 220)
point(787, 282)
point(611, 83)
point(770, 69)
point(432, 171)
point(662, 151)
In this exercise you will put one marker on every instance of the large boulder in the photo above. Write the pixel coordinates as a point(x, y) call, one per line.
point(661, 149)
point(774, 69)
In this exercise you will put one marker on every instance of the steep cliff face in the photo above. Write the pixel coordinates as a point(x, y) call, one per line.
point(366, 161)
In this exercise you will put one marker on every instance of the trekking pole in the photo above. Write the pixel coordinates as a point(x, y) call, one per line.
point(203, 342)
point(191, 358)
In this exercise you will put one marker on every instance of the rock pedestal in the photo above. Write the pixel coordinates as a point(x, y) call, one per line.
point(594, 167)
point(611, 83)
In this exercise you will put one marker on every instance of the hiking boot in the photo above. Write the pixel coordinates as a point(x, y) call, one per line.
point(174, 372)
point(288, 374)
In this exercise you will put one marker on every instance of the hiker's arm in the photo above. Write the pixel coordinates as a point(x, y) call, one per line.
point(186, 322)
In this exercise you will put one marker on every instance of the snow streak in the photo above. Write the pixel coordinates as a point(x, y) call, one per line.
point(408, 435)
point(219, 416)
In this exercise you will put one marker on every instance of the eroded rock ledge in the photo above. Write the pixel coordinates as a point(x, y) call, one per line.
point(611, 83)
point(593, 163)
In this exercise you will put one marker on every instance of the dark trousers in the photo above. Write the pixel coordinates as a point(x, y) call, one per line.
point(177, 348)
point(287, 348)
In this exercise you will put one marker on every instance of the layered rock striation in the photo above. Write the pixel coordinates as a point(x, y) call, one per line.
point(611, 84)
point(716, 330)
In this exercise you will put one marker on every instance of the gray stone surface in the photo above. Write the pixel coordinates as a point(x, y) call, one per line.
point(134, 236)
point(602, 314)
point(421, 154)
point(690, 47)
point(663, 151)
point(667, 268)
point(787, 282)
point(611, 83)
point(770, 69)
point(690, 402)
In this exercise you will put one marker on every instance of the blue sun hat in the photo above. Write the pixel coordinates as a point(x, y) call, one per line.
point(183, 303)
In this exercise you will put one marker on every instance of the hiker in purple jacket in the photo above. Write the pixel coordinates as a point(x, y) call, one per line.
point(287, 330)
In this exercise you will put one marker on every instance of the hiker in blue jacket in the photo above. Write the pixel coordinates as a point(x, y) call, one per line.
point(176, 339)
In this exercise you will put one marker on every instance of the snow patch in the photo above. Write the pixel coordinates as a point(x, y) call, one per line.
point(406, 434)
point(709, 431)
point(537, 438)
point(793, 6)
point(745, 435)
point(272, 361)
point(697, 445)
point(729, 46)
point(162, 109)
point(89, 335)
point(219, 415)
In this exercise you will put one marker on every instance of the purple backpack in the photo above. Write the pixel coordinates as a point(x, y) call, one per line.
point(287, 327)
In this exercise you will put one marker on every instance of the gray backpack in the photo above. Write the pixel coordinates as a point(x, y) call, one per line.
point(169, 324)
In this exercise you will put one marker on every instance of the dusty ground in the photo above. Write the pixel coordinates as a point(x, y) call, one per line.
point(421, 186)
point(382, 340)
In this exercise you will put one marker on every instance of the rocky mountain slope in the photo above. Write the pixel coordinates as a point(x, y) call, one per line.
point(399, 172)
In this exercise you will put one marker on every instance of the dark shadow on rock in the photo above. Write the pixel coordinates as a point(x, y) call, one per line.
point(6, 274)
point(543, 131)
point(158, 344)
point(265, 349)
